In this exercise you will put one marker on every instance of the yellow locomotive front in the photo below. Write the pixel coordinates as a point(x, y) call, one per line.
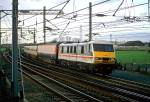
point(104, 57)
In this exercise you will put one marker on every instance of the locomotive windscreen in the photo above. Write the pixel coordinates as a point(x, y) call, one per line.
point(103, 47)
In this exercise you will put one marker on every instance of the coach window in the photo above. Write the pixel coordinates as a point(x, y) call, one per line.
point(82, 49)
point(89, 49)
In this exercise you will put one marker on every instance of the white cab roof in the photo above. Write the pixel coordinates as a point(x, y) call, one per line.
point(84, 43)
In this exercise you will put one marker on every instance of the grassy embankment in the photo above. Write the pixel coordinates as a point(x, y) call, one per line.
point(137, 57)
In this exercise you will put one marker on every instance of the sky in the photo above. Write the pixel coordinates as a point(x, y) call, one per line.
point(75, 26)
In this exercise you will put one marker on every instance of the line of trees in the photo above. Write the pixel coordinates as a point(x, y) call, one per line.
point(135, 43)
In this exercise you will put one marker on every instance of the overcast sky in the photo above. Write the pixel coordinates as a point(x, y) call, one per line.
point(70, 27)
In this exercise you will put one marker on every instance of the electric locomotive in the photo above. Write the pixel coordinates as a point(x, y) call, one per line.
point(93, 56)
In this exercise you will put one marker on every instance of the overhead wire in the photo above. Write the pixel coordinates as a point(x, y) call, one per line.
point(85, 8)
point(118, 8)
point(108, 11)
point(62, 8)
point(48, 9)
point(123, 36)
point(94, 15)
point(60, 36)
point(77, 10)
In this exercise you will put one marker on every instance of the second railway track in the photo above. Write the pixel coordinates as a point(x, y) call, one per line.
point(64, 93)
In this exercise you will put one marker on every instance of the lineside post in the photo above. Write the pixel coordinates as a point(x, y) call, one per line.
point(148, 10)
point(34, 41)
point(90, 21)
point(0, 46)
point(14, 84)
point(44, 23)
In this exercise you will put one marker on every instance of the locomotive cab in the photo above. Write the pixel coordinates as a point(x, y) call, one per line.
point(104, 53)
point(104, 57)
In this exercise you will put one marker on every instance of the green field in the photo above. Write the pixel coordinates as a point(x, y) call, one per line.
point(137, 57)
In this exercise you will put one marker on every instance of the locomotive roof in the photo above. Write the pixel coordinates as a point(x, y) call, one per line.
point(84, 43)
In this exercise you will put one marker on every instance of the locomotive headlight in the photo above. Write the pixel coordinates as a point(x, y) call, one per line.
point(113, 59)
point(97, 58)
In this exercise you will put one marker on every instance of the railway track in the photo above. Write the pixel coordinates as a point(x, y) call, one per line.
point(65, 93)
point(115, 90)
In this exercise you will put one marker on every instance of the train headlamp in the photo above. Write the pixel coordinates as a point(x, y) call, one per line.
point(97, 58)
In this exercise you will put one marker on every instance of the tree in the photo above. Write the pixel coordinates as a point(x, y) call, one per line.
point(134, 43)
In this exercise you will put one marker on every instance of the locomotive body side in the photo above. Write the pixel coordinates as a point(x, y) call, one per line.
point(76, 52)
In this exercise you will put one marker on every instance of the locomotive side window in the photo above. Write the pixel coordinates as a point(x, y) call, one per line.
point(71, 49)
point(82, 49)
point(67, 49)
point(62, 49)
point(75, 49)
point(89, 48)
point(86, 49)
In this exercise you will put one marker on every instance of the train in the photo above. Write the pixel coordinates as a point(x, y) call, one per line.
point(92, 56)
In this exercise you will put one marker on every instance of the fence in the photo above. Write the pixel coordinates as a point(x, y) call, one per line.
point(144, 68)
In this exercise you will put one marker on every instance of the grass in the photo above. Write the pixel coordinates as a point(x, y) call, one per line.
point(138, 57)
point(2, 49)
